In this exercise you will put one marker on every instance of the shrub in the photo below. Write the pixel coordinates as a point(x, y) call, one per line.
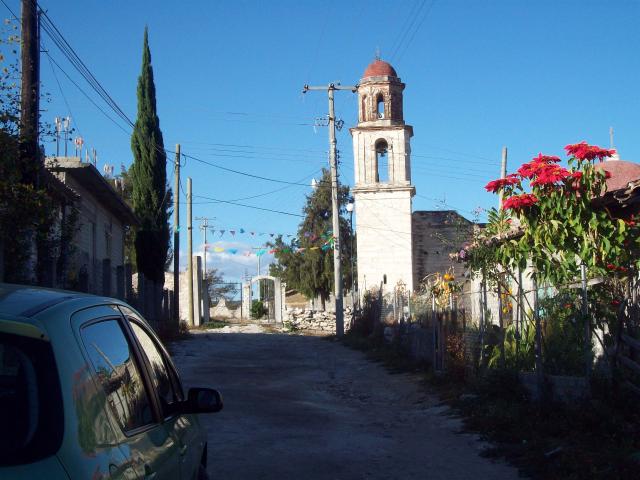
point(365, 320)
point(258, 310)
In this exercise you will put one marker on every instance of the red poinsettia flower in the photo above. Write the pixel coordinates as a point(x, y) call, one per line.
point(545, 158)
point(550, 174)
point(518, 202)
point(536, 165)
point(495, 185)
point(584, 151)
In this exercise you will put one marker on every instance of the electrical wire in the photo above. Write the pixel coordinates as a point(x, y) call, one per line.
point(412, 17)
point(406, 46)
point(249, 206)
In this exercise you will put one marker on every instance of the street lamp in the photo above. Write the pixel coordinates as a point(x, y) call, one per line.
point(350, 206)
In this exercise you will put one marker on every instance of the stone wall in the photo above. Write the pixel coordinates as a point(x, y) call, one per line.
point(314, 320)
point(222, 311)
point(436, 234)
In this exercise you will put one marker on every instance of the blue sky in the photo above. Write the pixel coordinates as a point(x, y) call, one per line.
point(533, 76)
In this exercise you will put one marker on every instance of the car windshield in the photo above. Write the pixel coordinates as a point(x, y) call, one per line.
point(30, 401)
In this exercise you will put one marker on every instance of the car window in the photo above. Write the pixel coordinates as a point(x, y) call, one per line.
point(30, 400)
point(159, 371)
point(118, 373)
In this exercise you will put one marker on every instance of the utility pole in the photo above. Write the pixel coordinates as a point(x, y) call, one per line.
point(337, 268)
point(204, 224)
point(30, 161)
point(503, 173)
point(189, 253)
point(259, 256)
point(176, 236)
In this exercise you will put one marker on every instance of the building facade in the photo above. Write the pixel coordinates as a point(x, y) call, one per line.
point(98, 259)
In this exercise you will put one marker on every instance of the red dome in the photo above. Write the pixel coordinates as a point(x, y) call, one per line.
point(379, 68)
point(621, 173)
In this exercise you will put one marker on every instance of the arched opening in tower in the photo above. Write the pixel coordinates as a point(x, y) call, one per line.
point(382, 161)
point(380, 105)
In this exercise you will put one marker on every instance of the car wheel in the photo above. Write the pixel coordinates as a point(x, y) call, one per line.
point(202, 473)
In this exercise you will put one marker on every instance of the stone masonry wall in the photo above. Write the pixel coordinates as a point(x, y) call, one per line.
point(314, 320)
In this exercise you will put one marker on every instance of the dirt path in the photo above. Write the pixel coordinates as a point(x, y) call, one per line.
point(308, 408)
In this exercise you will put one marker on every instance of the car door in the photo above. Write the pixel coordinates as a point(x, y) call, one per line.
point(185, 428)
point(129, 398)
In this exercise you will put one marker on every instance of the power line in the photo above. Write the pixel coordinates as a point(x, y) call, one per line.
point(406, 46)
point(411, 19)
point(249, 206)
point(85, 93)
point(64, 97)
point(251, 146)
point(254, 196)
point(67, 50)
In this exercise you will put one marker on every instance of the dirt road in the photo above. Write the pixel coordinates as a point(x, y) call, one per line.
point(301, 407)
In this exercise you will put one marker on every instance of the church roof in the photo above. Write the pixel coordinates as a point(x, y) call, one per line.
point(622, 173)
point(379, 68)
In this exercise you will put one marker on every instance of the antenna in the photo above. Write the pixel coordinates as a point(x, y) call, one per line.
point(108, 170)
point(610, 137)
point(58, 123)
point(66, 124)
point(79, 141)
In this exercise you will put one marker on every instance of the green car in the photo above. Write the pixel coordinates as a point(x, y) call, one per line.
point(87, 391)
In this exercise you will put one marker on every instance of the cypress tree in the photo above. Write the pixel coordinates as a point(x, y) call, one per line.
point(150, 195)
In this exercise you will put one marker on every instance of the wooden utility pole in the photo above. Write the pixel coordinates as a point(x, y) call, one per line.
point(337, 267)
point(30, 161)
point(176, 237)
point(503, 173)
point(189, 253)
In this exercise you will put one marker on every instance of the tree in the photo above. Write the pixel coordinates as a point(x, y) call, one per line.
point(31, 220)
point(306, 263)
point(151, 196)
point(218, 288)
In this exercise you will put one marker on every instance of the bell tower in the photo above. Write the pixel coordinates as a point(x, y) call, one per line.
point(383, 191)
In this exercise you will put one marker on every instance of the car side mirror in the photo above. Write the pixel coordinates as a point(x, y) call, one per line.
point(202, 400)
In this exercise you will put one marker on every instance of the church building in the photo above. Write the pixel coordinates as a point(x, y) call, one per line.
point(396, 246)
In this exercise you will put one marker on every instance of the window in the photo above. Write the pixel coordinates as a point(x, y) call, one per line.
point(113, 362)
point(163, 380)
point(382, 161)
point(380, 105)
point(31, 412)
